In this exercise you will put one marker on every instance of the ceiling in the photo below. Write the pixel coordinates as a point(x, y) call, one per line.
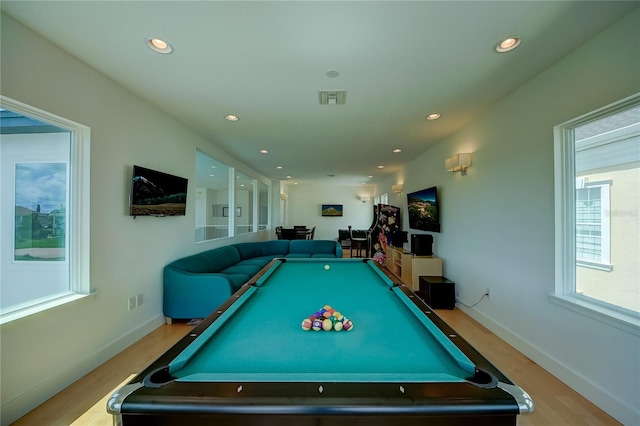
point(267, 61)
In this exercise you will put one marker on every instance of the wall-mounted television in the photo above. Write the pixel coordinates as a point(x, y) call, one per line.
point(155, 193)
point(424, 210)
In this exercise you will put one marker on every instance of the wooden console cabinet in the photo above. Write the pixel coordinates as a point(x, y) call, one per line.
point(408, 268)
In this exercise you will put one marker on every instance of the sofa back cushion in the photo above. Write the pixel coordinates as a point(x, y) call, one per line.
point(275, 247)
point(262, 249)
point(249, 250)
point(214, 260)
point(312, 247)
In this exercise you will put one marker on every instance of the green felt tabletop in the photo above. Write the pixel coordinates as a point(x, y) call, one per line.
point(261, 339)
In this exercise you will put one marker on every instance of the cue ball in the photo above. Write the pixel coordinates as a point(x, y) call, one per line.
point(327, 267)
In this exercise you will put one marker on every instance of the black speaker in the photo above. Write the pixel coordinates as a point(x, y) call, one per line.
point(422, 244)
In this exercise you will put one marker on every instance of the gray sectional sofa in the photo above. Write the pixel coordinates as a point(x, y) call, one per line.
point(196, 285)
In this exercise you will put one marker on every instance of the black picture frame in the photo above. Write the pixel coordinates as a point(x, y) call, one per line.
point(225, 211)
point(332, 210)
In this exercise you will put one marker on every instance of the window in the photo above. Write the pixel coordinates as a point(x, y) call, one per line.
point(44, 228)
point(597, 208)
point(592, 224)
point(212, 198)
point(220, 190)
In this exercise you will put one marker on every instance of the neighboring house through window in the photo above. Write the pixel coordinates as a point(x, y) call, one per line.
point(597, 211)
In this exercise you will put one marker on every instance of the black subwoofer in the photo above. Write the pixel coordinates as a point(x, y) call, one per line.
point(422, 244)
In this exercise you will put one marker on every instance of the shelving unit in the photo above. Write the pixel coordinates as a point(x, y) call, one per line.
point(408, 268)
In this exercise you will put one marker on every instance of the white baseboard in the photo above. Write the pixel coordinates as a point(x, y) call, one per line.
point(21, 405)
point(617, 409)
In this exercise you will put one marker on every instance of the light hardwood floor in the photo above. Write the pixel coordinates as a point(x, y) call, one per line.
point(84, 402)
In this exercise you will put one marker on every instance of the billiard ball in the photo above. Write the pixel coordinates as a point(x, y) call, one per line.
point(306, 324)
point(327, 267)
point(337, 326)
point(348, 325)
point(327, 325)
point(316, 325)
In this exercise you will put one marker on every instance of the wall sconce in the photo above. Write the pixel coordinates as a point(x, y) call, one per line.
point(284, 196)
point(363, 198)
point(458, 162)
point(397, 188)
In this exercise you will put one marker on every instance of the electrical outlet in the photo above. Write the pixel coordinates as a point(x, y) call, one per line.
point(139, 299)
point(132, 302)
point(488, 293)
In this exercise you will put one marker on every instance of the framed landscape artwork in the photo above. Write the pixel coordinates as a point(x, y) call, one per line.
point(332, 210)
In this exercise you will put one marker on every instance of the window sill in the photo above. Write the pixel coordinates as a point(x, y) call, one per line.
point(614, 317)
point(43, 306)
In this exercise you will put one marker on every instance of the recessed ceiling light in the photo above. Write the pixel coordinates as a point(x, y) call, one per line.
point(381, 167)
point(507, 44)
point(288, 177)
point(264, 151)
point(159, 45)
point(369, 177)
point(231, 117)
point(433, 116)
point(332, 73)
point(279, 167)
point(397, 150)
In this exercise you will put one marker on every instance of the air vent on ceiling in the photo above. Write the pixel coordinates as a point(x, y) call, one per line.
point(333, 97)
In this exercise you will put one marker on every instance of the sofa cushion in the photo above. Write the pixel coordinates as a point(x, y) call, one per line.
point(237, 280)
point(209, 261)
point(260, 262)
point(298, 255)
point(222, 257)
point(249, 250)
point(275, 248)
point(323, 255)
point(249, 270)
point(312, 247)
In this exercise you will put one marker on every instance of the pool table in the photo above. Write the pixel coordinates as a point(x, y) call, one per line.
point(251, 362)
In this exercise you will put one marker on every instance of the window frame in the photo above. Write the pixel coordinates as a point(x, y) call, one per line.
point(565, 226)
point(79, 226)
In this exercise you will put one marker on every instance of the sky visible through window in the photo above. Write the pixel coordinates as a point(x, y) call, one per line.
point(43, 184)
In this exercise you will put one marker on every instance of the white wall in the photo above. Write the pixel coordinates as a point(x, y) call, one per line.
point(42, 354)
point(498, 221)
point(303, 207)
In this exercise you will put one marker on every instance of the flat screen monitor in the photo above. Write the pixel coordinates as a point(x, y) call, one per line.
point(424, 210)
point(156, 193)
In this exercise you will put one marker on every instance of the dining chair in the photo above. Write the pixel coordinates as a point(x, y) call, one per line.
point(358, 244)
